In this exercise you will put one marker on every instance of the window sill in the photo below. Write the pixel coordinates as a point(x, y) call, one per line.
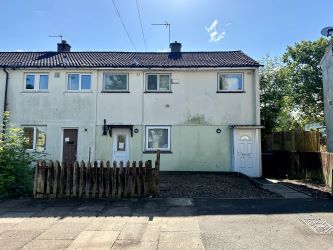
point(35, 91)
point(114, 91)
point(155, 151)
point(79, 91)
point(231, 91)
point(158, 92)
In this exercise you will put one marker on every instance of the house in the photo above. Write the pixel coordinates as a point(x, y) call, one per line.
point(201, 109)
point(327, 69)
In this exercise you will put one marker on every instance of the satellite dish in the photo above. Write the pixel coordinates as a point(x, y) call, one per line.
point(327, 31)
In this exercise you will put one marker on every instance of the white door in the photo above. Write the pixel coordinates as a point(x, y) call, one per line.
point(120, 138)
point(246, 154)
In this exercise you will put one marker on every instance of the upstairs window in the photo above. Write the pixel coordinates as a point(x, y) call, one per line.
point(158, 83)
point(115, 82)
point(79, 82)
point(36, 82)
point(230, 82)
point(35, 137)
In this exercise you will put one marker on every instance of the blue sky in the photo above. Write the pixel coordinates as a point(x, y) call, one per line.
point(258, 27)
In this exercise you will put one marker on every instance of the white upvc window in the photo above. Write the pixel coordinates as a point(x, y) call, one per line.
point(35, 137)
point(78, 82)
point(158, 82)
point(36, 81)
point(230, 82)
point(158, 138)
point(115, 82)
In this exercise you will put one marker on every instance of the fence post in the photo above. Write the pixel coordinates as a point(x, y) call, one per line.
point(133, 179)
point(75, 179)
point(81, 185)
point(114, 180)
point(55, 179)
point(107, 180)
point(49, 178)
point(88, 179)
point(36, 179)
point(140, 178)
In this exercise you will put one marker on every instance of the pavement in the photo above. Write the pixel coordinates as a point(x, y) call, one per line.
point(276, 187)
point(178, 223)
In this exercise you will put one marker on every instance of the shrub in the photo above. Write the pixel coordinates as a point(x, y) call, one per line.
point(16, 173)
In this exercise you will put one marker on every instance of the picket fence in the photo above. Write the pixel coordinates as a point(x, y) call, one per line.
point(97, 180)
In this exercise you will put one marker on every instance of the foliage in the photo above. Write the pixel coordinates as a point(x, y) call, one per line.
point(15, 172)
point(291, 87)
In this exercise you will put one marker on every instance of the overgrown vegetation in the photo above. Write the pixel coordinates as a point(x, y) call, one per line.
point(291, 87)
point(16, 177)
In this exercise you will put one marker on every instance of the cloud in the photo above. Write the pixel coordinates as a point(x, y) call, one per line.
point(19, 50)
point(214, 34)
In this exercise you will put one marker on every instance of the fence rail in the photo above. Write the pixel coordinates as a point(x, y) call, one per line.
point(87, 180)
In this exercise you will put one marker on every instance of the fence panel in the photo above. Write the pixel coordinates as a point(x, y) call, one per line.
point(78, 180)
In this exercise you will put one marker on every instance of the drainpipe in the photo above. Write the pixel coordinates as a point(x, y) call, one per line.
point(5, 101)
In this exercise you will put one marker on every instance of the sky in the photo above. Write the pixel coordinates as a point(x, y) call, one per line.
point(257, 27)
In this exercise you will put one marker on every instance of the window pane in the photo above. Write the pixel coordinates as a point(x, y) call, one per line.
point(230, 82)
point(152, 82)
point(73, 82)
point(29, 81)
point(43, 82)
point(85, 81)
point(28, 134)
point(121, 143)
point(115, 82)
point(158, 138)
point(41, 138)
point(164, 82)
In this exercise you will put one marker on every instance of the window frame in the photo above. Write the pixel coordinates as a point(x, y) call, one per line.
point(80, 82)
point(37, 82)
point(147, 127)
point(115, 90)
point(158, 83)
point(230, 91)
point(34, 139)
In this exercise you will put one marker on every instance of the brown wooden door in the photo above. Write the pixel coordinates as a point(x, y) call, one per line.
point(69, 141)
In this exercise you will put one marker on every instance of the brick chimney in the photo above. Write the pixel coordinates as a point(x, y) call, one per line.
point(175, 47)
point(63, 46)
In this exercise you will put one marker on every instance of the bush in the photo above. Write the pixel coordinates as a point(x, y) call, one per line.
point(16, 173)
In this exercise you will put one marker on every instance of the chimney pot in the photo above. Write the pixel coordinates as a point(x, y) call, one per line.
point(63, 46)
point(175, 47)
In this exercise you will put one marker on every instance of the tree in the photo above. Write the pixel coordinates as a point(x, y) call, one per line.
point(302, 62)
point(15, 172)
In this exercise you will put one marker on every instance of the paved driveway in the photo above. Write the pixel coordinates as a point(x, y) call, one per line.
point(167, 224)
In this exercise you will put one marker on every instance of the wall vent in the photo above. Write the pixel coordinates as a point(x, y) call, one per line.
point(56, 74)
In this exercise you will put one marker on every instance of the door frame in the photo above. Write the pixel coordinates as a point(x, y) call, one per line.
point(114, 137)
point(256, 143)
point(62, 141)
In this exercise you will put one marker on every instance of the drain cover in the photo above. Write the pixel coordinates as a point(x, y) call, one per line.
point(319, 226)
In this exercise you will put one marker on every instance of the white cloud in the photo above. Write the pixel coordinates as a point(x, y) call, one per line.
point(214, 33)
point(19, 50)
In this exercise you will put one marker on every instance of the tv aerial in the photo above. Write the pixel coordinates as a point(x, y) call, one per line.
point(166, 24)
point(327, 31)
point(60, 36)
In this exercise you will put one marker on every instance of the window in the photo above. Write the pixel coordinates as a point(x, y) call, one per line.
point(158, 137)
point(35, 137)
point(115, 82)
point(230, 82)
point(36, 82)
point(79, 82)
point(158, 82)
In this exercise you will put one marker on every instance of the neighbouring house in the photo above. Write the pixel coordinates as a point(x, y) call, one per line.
point(200, 109)
point(327, 69)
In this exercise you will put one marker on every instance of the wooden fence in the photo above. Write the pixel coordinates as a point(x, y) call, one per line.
point(86, 180)
point(299, 141)
point(299, 165)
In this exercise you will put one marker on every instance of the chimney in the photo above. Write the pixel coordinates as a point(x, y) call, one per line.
point(63, 46)
point(175, 47)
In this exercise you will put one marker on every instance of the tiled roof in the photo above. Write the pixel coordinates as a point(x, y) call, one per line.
point(127, 59)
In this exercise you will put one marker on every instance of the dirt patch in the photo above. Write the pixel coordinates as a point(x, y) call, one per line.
point(314, 188)
point(210, 185)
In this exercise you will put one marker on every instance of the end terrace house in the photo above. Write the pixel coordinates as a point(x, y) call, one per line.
point(200, 109)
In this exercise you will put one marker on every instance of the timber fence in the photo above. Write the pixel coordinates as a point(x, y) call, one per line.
point(97, 180)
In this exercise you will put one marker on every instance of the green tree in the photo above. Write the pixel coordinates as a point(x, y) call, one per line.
point(16, 177)
point(302, 63)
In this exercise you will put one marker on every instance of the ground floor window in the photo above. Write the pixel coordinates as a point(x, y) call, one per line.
point(35, 137)
point(158, 137)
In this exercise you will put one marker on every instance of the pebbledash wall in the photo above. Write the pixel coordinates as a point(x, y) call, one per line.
point(194, 110)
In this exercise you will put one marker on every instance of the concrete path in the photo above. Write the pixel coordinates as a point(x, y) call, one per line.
point(275, 186)
point(167, 224)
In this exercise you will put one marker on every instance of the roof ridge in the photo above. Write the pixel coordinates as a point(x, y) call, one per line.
point(128, 52)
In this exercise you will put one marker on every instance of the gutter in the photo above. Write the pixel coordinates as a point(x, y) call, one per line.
point(5, 101)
